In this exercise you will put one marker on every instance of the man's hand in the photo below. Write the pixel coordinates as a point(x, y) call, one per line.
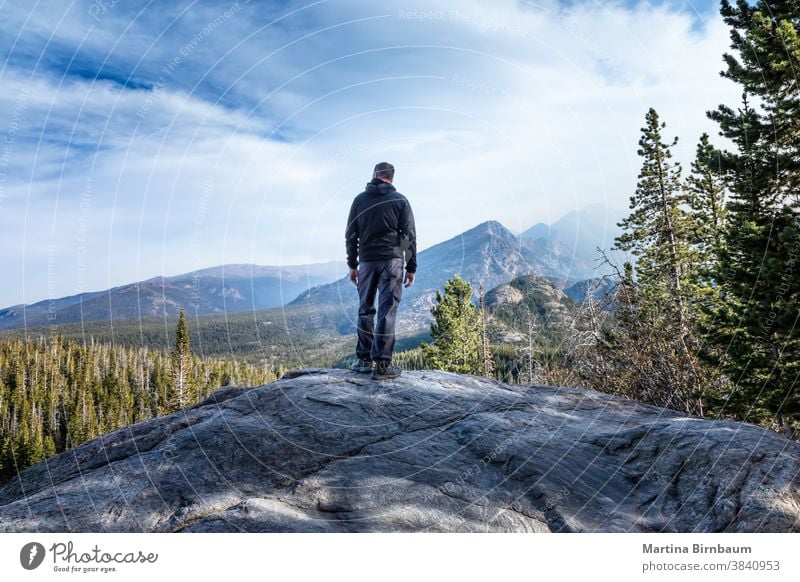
point(354, 276)
point(409, 279)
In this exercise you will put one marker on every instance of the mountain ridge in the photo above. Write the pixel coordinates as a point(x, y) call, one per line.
point(487, 253)
point(211, 290)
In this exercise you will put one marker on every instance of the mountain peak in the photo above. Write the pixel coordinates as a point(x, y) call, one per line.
point(490, 227)
point(249, 460)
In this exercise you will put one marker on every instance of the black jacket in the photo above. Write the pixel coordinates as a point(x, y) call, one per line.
point(381, 226)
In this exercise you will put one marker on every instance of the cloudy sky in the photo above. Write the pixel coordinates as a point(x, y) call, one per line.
point(147, 138)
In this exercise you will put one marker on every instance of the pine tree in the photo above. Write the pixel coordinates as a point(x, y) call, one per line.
point(650, 351)
point(705, 191)
point(657, 230)
point(455, 330)
point(755, 322)
point(180, 364)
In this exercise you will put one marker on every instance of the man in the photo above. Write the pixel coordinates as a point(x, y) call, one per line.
point(380, 233)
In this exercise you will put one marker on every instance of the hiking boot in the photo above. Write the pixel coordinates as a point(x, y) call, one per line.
point(384, 370)
point(362, 366)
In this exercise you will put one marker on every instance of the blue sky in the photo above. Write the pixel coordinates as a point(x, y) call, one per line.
point(148, 138)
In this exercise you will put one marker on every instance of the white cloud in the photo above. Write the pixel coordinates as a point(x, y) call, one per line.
point(507, 111)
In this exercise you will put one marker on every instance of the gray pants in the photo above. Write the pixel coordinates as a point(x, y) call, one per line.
point(376, 342)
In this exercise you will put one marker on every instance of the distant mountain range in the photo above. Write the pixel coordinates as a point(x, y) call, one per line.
point(316, 335)
point(215, 290)
point(489, 254)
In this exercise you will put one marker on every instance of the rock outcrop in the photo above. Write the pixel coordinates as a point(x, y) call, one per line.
point(529, 302)
point(333, 451)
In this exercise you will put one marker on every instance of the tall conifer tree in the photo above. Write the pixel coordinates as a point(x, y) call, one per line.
point(657, 231)
point(180, 363)
point(705, 192)
point(651, 350)
point(755, 322)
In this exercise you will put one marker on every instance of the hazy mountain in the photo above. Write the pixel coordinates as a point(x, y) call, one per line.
point(487, 253)
point(564, 253)
point(568, 247)
point(222, 289)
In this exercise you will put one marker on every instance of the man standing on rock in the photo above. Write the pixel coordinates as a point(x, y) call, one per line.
point(380, 234)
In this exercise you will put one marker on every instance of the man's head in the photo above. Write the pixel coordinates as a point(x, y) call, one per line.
point(384, 171)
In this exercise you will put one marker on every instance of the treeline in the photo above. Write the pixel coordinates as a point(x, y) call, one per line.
point(57, 393)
